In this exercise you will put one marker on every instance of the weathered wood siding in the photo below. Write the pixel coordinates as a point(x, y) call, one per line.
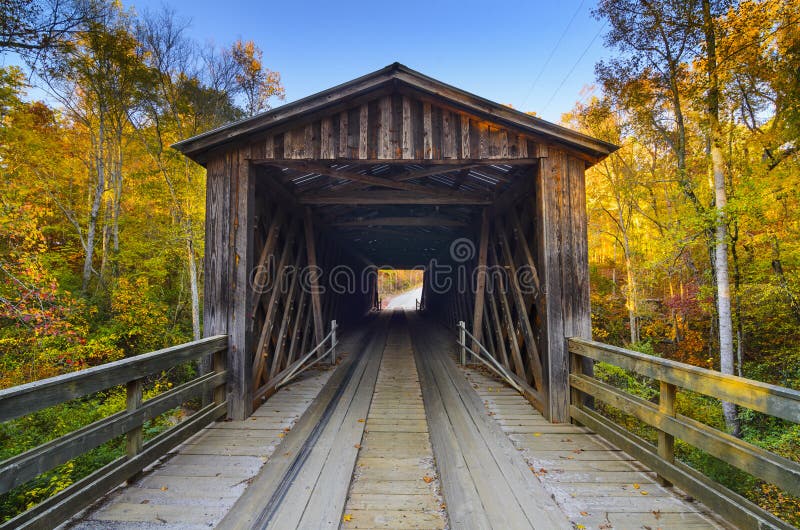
point(228, 261)
point(563, 261)
point(397, 127)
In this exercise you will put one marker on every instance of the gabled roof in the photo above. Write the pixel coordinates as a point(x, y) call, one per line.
point(393, 76)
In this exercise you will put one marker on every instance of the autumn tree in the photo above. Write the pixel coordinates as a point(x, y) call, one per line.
point(99, 81)
point(257, 83)
point(32, 27)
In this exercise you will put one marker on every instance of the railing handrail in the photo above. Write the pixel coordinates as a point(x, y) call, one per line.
point(25, 399)
point(770, 399)
point(21, 400)
point(495, 366)
point(298, 366)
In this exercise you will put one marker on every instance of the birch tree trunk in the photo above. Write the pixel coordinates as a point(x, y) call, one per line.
point(97, 200)
point(726, 354)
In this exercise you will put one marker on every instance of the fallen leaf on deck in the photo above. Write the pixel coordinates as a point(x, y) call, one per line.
point(357, 446)
point(427, 479)
point(347, 518)
point(537, 434)
point(164, 488)
point(584, 514)
point(360, 420)
point(643, 492)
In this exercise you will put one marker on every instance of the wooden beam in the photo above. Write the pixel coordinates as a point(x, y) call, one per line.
point(401, 221)
point(522, 309)
point(480, 288)
point(372, 180)
point(516, 356)
point(391, 197)
point(239, 385)
point(288, 305)
point(263, 261)
point(311, 251)
point(282, 162)
point(260, 360)
point(498, 327)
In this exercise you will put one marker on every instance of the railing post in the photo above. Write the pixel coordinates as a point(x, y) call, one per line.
point(575, 367)
point(133, 400)
point(219, 366)
point(333, 342)
point(462, 340)
point(666, 442)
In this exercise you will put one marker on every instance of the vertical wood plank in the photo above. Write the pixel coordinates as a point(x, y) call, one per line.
point(363, 132)
point(427, 131)
point(326, 138)
point(480, 287)
point(448, 135)
point(503, 143)
point(385, 128)
point(436, 129)
point(216, 271)
point(239, 388)
point(269, 147)
point(133, 401)
point(483, 132)
point(522, 145)
point(465, 143)
point(666, 442)
point(310, 147)
point(279, 144)
point(563, 268)
point(344, 129)
point(311, 251)
point(407, 137)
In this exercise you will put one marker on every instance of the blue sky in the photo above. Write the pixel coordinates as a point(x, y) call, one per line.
point(493, 49)
point(497, 50)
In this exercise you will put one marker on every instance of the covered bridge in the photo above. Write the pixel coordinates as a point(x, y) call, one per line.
point(398, 169)
point(478, 410)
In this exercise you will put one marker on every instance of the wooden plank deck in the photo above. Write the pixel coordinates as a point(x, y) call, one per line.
point(398, 436)
point(394, 484)
point(196, 485)
point(486, 483)
point(595, 484)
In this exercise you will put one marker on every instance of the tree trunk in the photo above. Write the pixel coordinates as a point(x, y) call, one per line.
point(97, 200)
point(193, 288)
point(721, 227)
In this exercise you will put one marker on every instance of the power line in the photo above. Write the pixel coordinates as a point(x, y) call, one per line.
point(552, 52)
point(574, 66)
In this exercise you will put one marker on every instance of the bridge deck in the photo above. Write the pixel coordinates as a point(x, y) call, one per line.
point(398, 436)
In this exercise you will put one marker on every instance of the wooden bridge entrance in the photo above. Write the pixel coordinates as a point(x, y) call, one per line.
point(396, 169)
point(304, 204)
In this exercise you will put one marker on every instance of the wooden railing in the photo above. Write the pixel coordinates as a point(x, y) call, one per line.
point(21, 400)
point(769, 399)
